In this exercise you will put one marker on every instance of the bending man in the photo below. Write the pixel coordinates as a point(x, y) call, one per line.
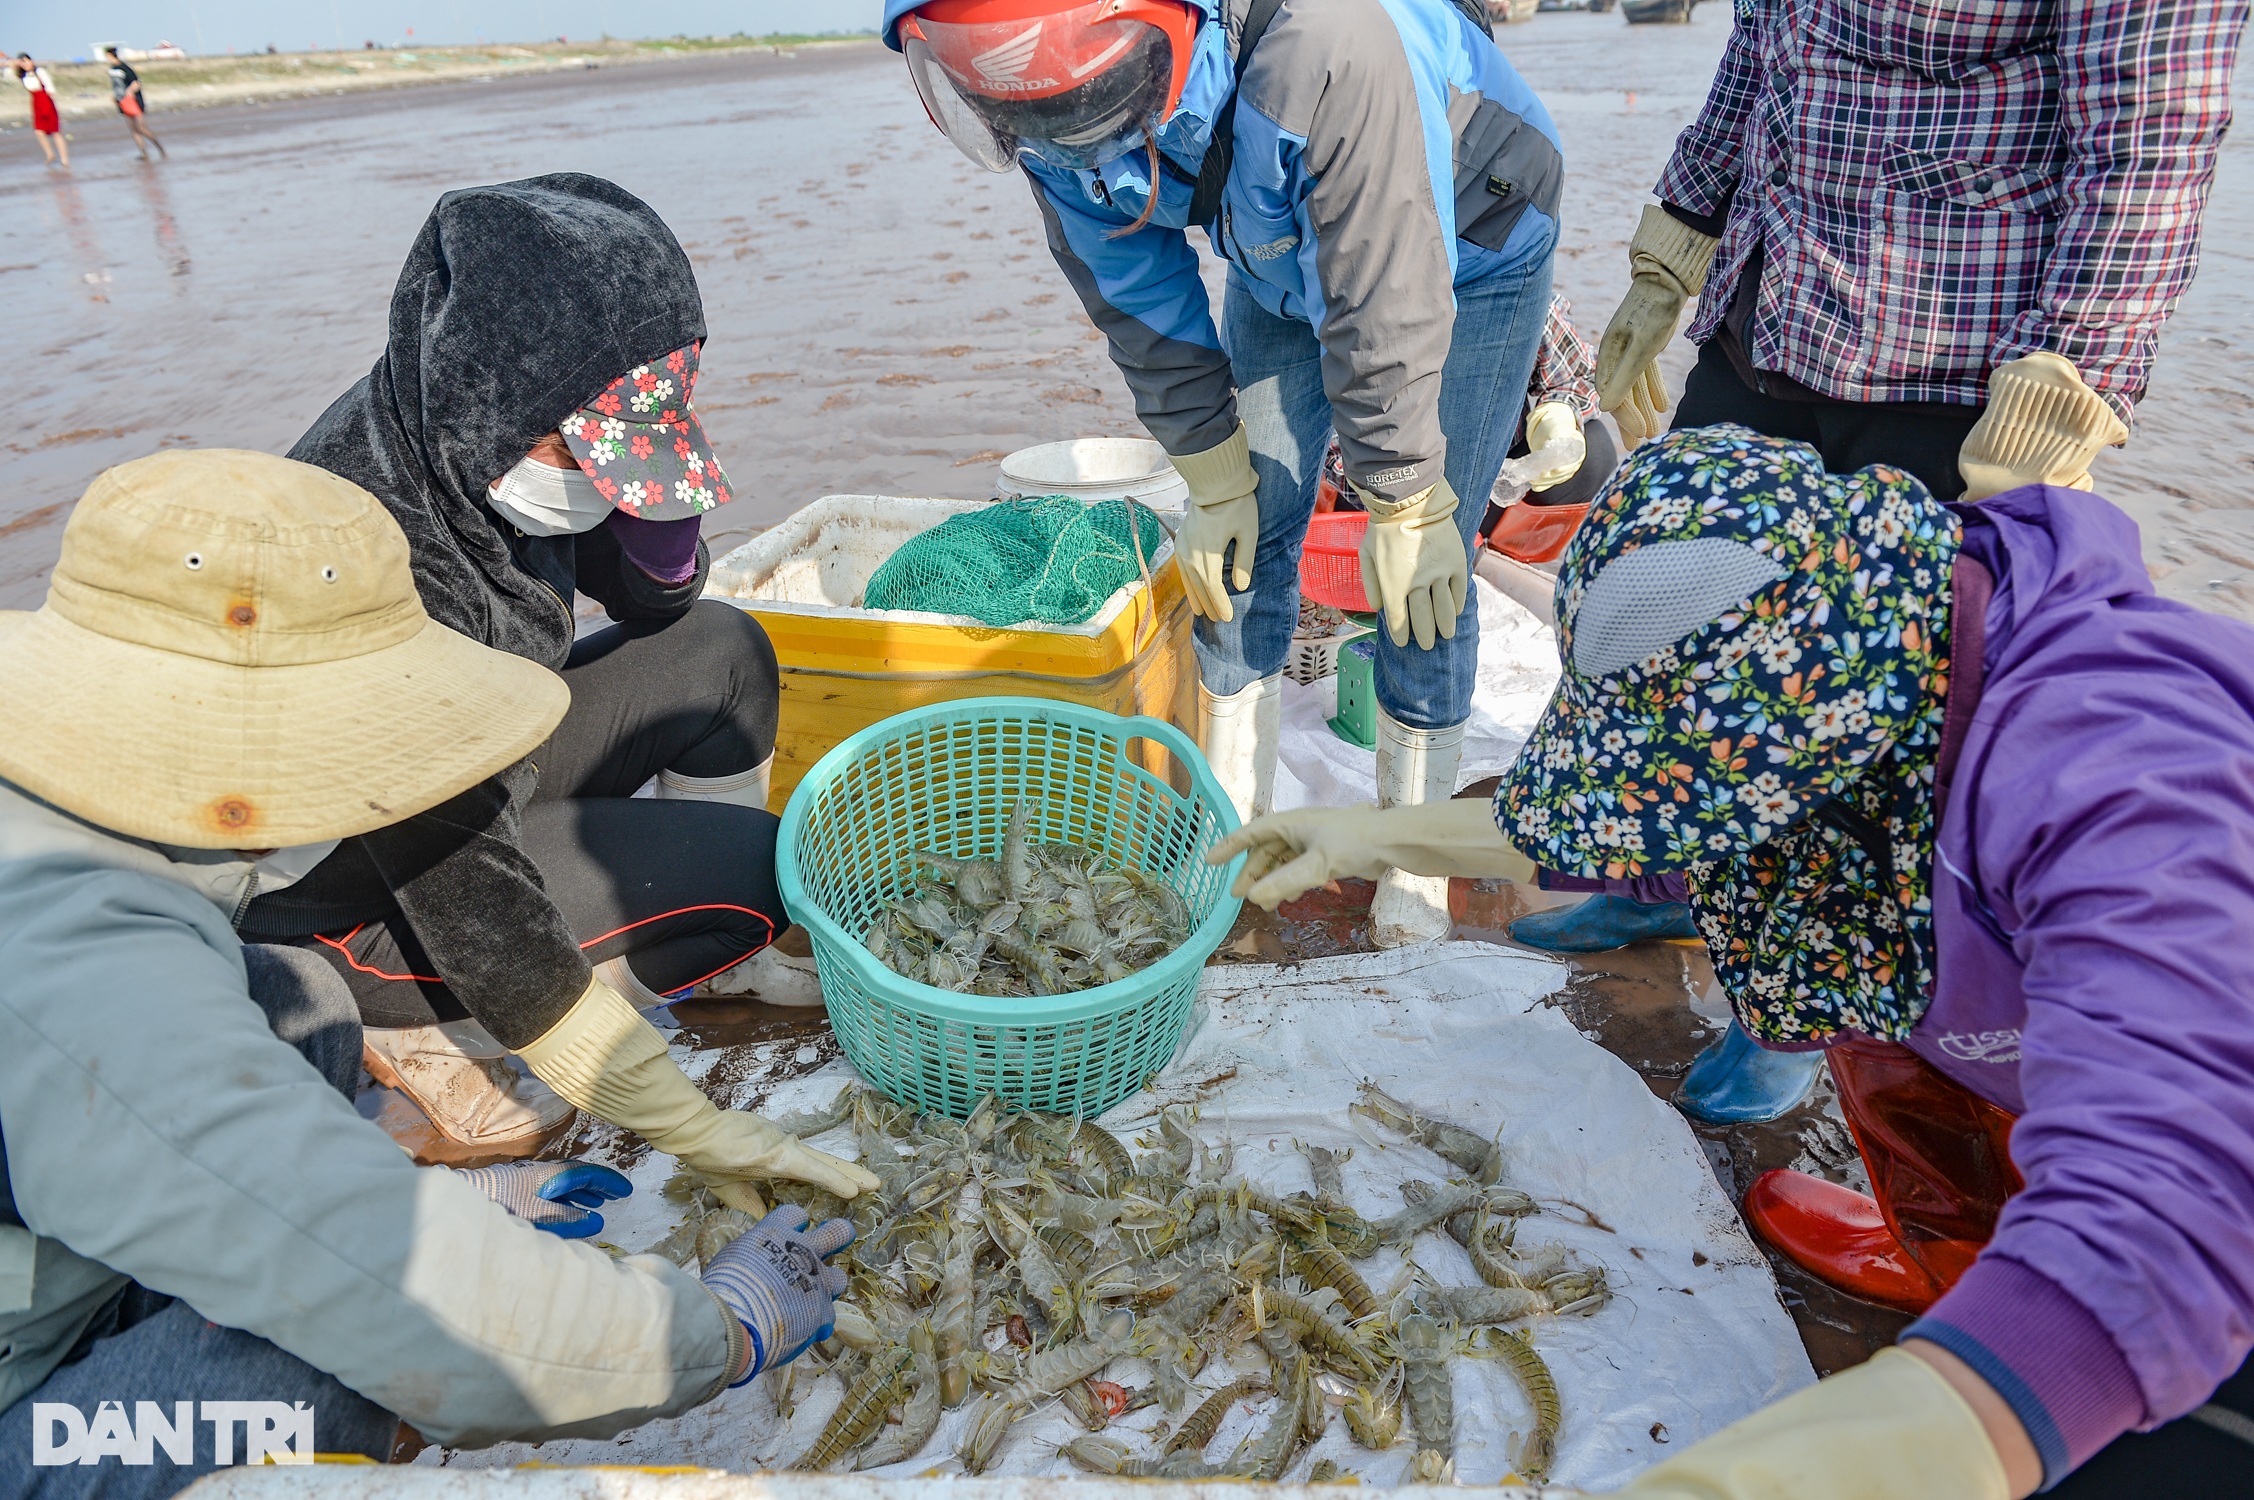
point(1385, 189)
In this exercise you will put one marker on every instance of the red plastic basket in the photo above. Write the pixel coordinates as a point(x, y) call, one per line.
point(1330, 561)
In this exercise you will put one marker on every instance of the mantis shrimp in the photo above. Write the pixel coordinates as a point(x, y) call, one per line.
point(1198, 1428)
point(952, 1313)
point(919, 1417)
point(1269, 1454)
point(1537, 1450)
point(1430, 1393)
point(1290, 1300)
point(1463, 1149)
point(1373, 1412)
point(866, 1401)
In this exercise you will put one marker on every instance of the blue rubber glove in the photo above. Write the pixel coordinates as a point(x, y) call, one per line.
point(773, 1278)
point(1601, 924)
point(558, 1196)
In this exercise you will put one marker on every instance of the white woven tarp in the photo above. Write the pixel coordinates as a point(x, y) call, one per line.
point(1693, 1339)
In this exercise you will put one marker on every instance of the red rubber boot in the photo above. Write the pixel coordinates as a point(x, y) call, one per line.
point(1838, 1236)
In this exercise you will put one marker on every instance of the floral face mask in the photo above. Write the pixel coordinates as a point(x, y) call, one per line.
point(642, 444)
point(1756, 669)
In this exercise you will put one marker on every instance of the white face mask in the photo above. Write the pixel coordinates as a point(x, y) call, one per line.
point(225, 875)
point(542, 500)
point(283, 868)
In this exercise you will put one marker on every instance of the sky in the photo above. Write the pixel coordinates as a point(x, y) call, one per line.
point(65, 31)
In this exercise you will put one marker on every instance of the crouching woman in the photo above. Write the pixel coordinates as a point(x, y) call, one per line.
point(532, 427)
point(232, 664)
point(1959, 800)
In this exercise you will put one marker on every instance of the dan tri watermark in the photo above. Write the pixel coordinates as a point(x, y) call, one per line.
point(274, 1432)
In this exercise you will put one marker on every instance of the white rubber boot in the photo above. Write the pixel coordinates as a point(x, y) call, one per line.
point(460, 1077)
point(771, 976)
point(744, 789)
point(620, 976)
point(1413, 766)
point(1239, 734)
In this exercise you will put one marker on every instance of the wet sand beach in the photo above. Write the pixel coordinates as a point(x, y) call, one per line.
point(884, 317)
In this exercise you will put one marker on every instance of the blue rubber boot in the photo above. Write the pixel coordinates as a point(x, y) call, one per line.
point(1736, 1081)
point(1601, 923)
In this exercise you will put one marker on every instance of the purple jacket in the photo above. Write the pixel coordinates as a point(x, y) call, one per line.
point(2094, 920)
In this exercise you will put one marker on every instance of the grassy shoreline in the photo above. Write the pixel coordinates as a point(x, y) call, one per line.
point(82, 90)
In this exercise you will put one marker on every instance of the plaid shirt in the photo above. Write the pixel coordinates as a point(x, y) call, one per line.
point(1565, 367)
point(1941, 185)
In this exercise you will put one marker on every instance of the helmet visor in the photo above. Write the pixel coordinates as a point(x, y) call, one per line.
point(1074, 89)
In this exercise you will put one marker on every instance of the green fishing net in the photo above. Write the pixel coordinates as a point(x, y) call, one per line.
point(1053, 559)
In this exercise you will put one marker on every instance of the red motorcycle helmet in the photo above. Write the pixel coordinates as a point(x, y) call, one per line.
point(1072, 82)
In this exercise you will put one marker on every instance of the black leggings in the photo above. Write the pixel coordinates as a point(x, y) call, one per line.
point(1919, 436)
point(686, 888)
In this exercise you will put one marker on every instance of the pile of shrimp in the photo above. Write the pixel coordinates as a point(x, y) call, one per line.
point(1043, 918)
point(1010, 1260)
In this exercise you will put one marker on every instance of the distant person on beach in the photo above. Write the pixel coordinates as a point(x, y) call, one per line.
point(1385, 188)
point(125, 88)
point(531, 426)
point(46, 120)
point(1973, 293)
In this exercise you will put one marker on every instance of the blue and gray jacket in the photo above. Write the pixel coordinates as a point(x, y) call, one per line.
point(1386, 153)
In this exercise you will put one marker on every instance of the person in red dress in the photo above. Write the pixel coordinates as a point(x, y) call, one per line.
point(46, 120)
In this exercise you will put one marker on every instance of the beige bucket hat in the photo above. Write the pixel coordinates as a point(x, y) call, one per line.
point(232, 655)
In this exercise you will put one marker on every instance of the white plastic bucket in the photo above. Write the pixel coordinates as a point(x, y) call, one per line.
point(1095, 469)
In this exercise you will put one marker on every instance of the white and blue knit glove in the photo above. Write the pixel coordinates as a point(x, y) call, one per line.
point(773, 1278)
point(558, 1196)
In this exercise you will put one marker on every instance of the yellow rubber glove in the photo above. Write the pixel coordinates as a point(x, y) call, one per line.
point(2042, 426)
point(1414, 565)
point(1891, 1429)
point(1290, 853)
point(606, 1059)
point(1552, 423)
point(1667, 265)
point(1223, 509)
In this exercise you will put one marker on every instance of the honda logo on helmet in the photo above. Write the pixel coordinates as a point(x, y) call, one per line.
point(1004, 64)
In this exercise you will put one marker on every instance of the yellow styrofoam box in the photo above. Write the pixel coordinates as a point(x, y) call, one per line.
point(845, 667)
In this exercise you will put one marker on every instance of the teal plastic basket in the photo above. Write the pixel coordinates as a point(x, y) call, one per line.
point(944, 779)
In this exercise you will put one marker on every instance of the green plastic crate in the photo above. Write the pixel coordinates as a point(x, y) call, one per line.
point(1356, 722)
point(944, 778)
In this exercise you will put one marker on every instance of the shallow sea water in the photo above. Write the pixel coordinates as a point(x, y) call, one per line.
point(884, 317)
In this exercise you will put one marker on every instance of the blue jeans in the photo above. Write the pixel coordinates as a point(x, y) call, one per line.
point(1279, 370)
point(144, 1346)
